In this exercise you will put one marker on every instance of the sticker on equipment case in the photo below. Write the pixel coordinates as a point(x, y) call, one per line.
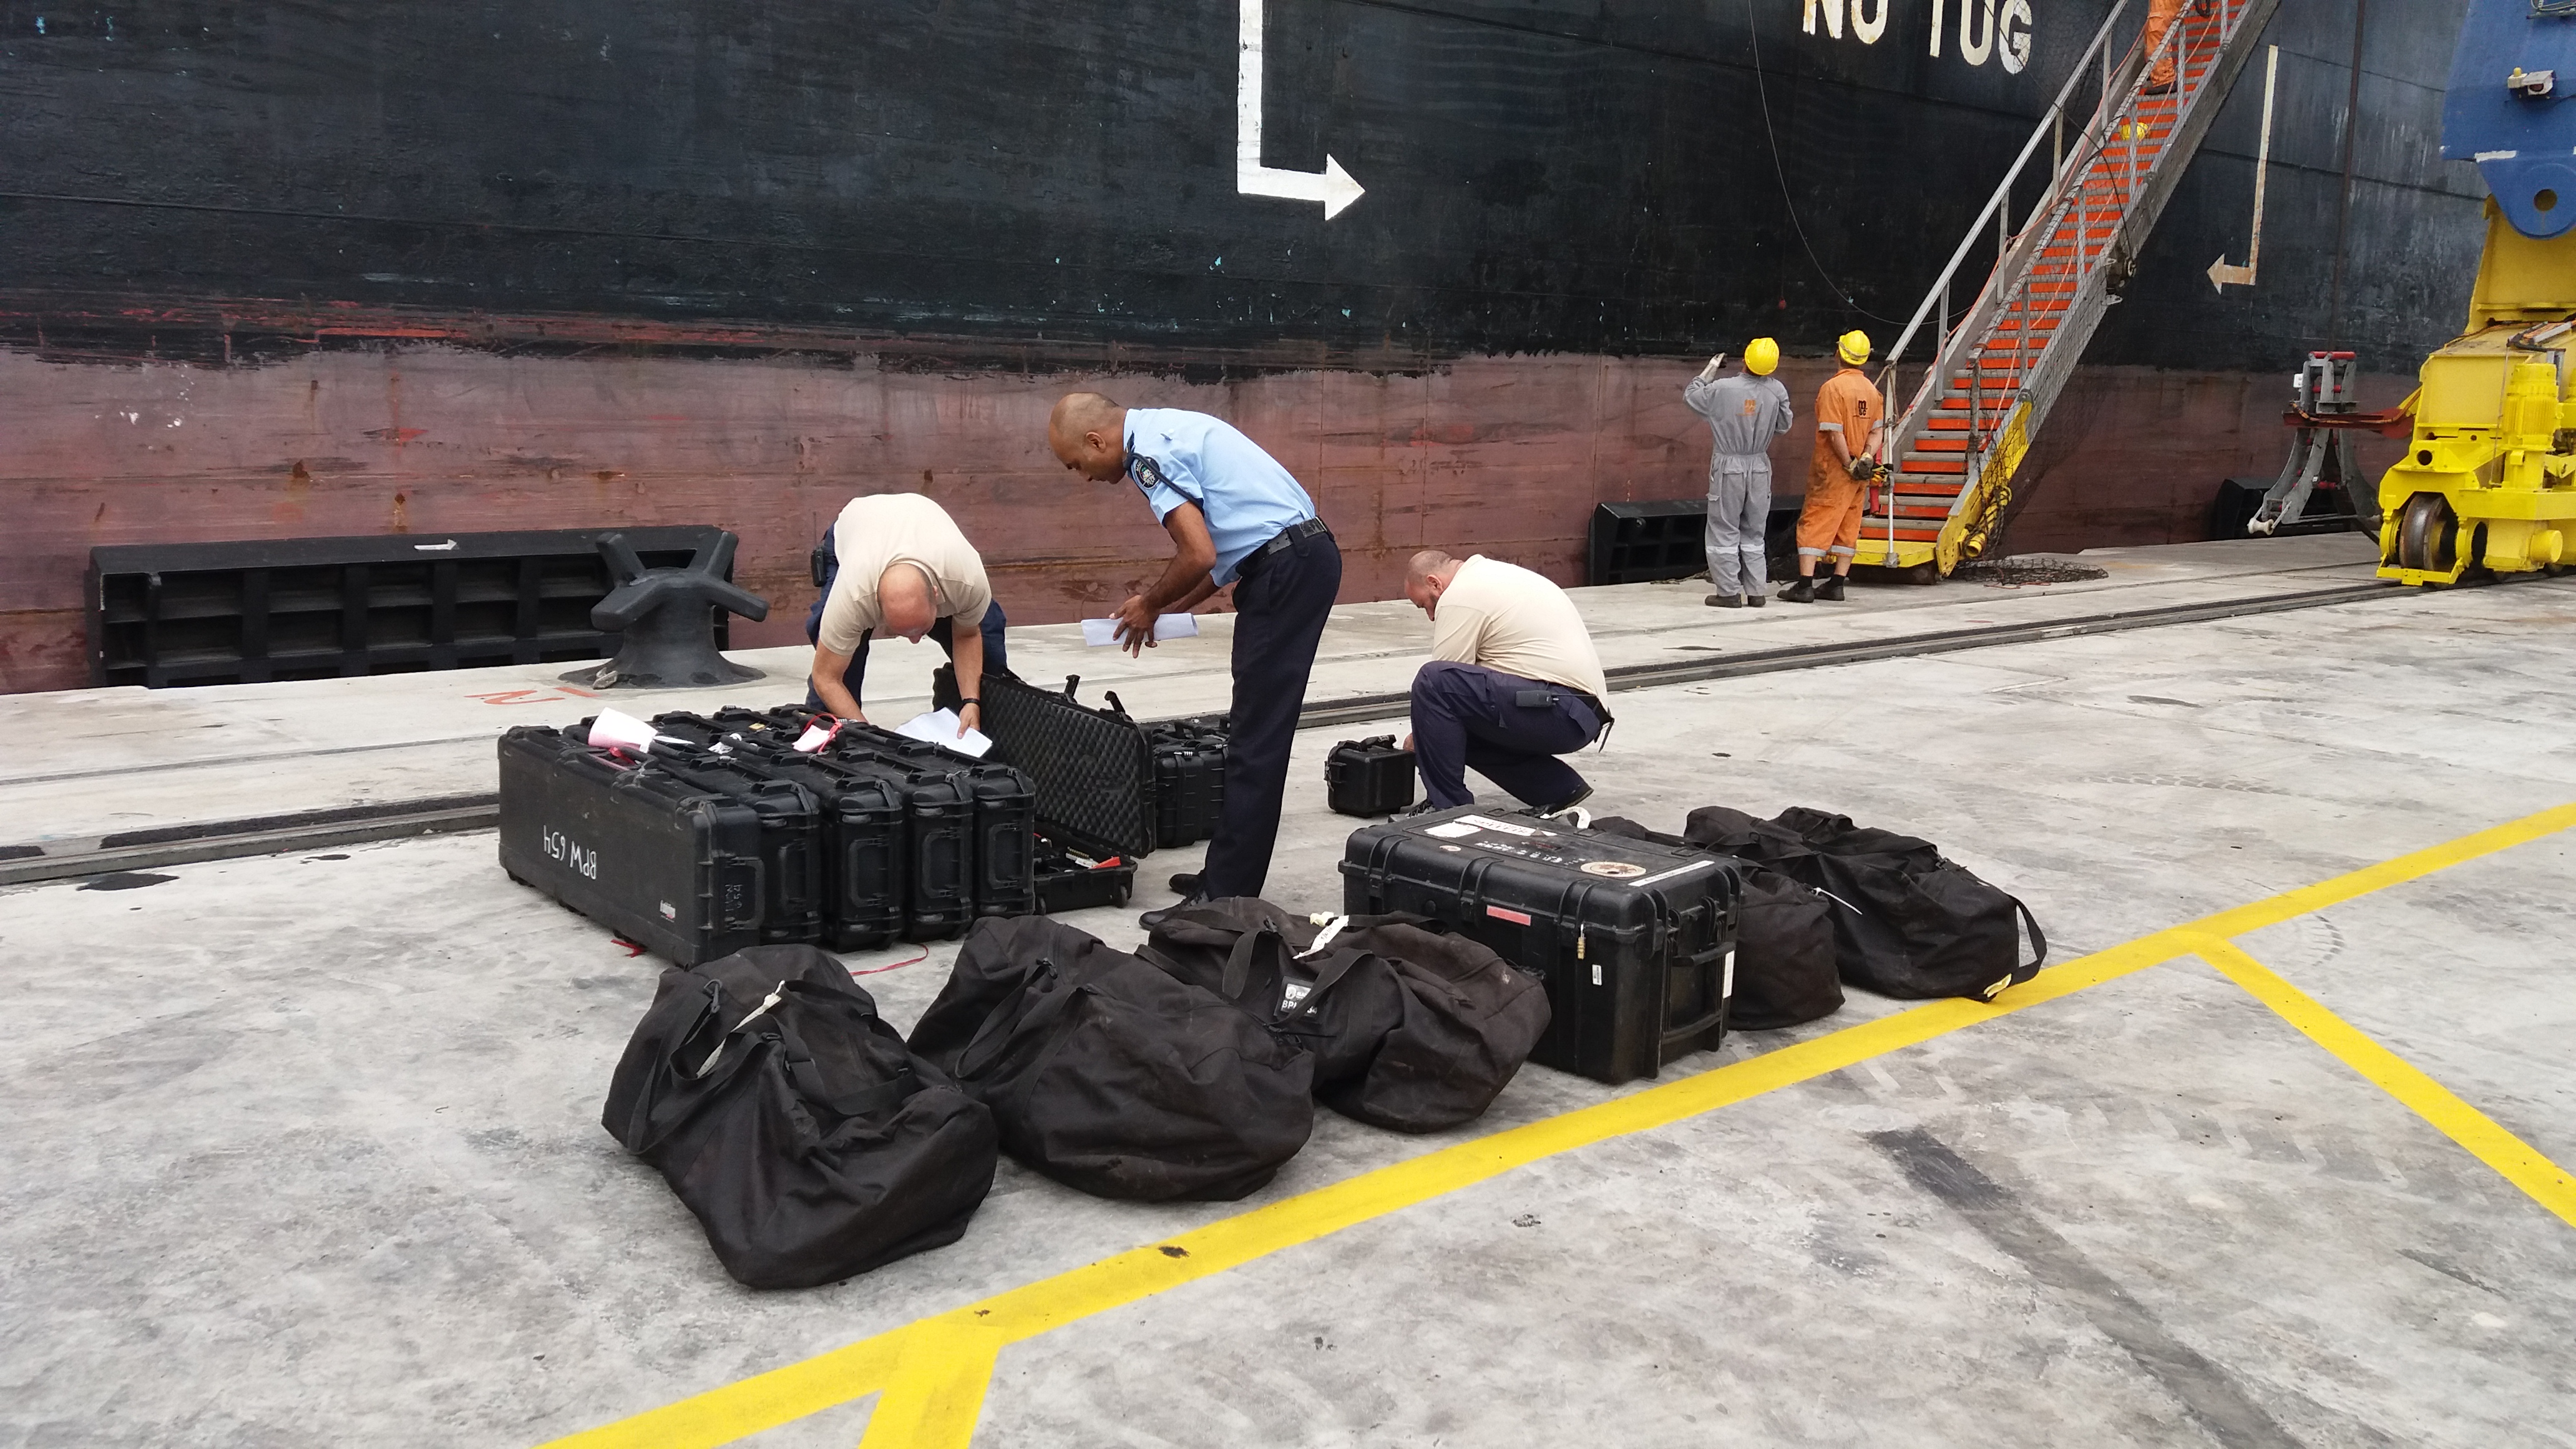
point(1696, 865)
point(1451, 830)
point(1617, 869)
point(1480, 822)
point(1517, 918)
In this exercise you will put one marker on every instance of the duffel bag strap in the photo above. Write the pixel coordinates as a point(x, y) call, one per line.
point(1008, 1022)
point(2039, 949)
point(809, 1078)
point(1238, 962)
point(715, 996)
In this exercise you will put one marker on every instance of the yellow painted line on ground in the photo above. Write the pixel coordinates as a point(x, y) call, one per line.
point(934, 1370)
point(2549, 1184)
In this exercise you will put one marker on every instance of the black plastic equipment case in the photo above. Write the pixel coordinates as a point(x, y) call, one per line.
point(1093, 769)
point(865, 843)
point(1002, 872)
point(1189, 781)
point(1634, 939)
point(966, 842)
point(791, 835)
point(1368, 777)
point(1068, 882)
point(671, 866)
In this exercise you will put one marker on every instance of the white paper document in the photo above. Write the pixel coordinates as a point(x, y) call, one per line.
point(939, 727)
point(1096, 632)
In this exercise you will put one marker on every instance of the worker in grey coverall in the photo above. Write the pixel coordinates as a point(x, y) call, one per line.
point(1745, 412)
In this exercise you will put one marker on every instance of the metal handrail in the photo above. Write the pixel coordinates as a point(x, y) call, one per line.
point(2003, 192)
point(2047, 214)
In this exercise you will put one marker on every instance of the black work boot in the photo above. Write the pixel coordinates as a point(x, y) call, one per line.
point(1581, 794)
point(1801, 592)
point(1724, 601)
point(1831, 590)
point(1755, 601)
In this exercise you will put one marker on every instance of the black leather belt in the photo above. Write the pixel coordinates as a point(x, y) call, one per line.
point(1279, 542)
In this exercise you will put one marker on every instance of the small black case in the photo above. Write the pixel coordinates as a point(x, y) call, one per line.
point(1189, 781)
point(1368, 777)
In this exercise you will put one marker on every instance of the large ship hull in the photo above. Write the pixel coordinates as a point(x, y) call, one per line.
point(424, 269)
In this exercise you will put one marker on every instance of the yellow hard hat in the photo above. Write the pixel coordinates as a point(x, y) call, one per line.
point(1853, 347)
point(1760, 356)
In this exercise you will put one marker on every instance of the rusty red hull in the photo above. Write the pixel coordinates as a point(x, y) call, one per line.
point(1503, 455)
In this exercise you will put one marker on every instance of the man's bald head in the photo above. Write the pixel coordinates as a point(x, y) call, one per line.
point(1426, 577)
point(1087, 432)
point(1426, 563)
point(904, 603)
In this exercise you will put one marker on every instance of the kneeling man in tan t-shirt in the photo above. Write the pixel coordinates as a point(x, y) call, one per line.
point(1513, 682)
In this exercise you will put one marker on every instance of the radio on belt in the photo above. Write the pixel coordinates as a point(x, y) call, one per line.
point(1635, 940)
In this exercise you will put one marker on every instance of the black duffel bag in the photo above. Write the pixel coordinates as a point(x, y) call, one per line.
point(1412, 1029)
point(792, 1120)
point(1110, 1075)
point(1909, 923)
point(1785, 972)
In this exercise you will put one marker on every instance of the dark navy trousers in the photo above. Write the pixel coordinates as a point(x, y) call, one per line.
point(1466, 716)
point(943, 632)
point(1279, 616)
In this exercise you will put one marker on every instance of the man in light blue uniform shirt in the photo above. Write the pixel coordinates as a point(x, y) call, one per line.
point(1235, 517)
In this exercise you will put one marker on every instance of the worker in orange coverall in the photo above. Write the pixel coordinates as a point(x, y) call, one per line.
point(2161, 14)
point(1849, 416)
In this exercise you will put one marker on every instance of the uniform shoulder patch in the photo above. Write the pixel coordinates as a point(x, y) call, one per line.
point(1147, 471)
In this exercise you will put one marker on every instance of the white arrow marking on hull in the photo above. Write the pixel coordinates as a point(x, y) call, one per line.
point(2220, 273)
point(1332, 186)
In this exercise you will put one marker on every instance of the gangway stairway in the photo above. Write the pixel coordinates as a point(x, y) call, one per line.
point(2000, 365)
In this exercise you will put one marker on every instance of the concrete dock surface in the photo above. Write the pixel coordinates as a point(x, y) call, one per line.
point(305, 1148)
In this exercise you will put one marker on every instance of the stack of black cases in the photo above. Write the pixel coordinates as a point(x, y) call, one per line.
point(672, 866)
point(1189, 780)
point(873, 838)
point(1368, 777)
point(1635, 940)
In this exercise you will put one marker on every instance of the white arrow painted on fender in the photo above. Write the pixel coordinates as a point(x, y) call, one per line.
point(1332, 186)
point(2220, 273)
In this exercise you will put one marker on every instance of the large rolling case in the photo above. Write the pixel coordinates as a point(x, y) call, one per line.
point(672, 866)
point(1635, 939)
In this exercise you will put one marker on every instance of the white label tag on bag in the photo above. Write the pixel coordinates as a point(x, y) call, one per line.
point(1332, 928)
point(1295, 992)
point(1726, 987)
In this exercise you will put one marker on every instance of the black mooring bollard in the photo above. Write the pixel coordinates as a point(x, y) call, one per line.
point(668, 619)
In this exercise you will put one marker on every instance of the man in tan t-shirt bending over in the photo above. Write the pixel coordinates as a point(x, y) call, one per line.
point(1513, 683)
point(903, 568)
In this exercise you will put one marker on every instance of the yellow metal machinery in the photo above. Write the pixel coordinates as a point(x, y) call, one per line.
point(2489, 479)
